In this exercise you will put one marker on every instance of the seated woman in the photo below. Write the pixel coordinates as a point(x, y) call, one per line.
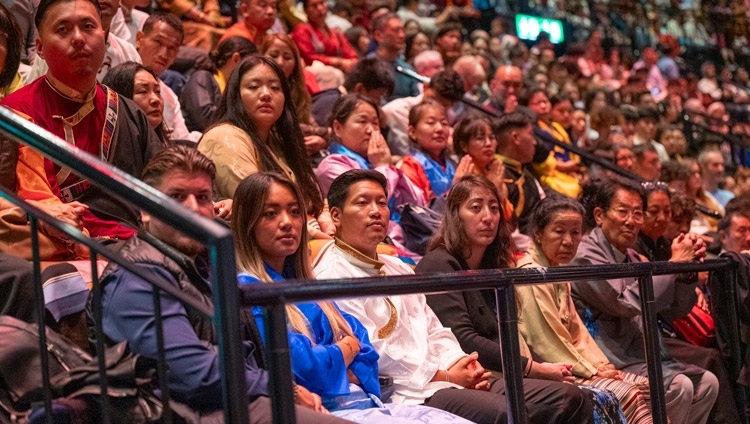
point(201, 94)
point(257, 130)
point(475, 145)
point(474, 235)
point(331, 351)
point(547, 170)
point(282, 49)
point(140, 84)
point(654, 244)
point(611, 309)
point(547, 318)
point(359, 144)
point(429, 165)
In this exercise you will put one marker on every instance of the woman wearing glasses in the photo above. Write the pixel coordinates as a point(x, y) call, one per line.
point(653, 244)
point(611, 309)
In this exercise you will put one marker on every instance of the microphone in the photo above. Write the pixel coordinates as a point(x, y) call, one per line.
point(412, 74)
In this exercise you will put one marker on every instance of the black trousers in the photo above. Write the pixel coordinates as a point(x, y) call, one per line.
point(547, 402)
point(17, 288)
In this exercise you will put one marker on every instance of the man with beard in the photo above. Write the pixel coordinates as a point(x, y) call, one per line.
point(190, 338)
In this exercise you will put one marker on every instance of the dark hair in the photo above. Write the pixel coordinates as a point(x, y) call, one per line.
point(591, 95)
point(448, 85)
point(446, 29)
point(339, 189)
point(415, 114)
point(648, 113)
point(663, 129)
point(345, 105)
point(181, 158)
point(410, 42)
point(44, 5)
point(372, 73)
point(549, 206)
point(640, 150)
point(168, 18)
point(121, 78)
point(14, 45)
point(601, 193)
point(451, 234)
point(381, 22)
point(674, 171)
point(560, 98)
point(468, 128)
point(683, 207)
point(230, 46)
point(739, 206)
point(353, 34)
point(509, 122)
point(232, 110)
point(528, 95)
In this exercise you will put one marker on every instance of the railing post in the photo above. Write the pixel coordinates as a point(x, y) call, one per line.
point(280, 365)
point(227, 318)
point(653, 350)
point(507, 318)
point(41, 312)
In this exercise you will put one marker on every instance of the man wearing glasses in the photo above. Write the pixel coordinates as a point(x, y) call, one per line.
point(507, 87)
point(612, 308)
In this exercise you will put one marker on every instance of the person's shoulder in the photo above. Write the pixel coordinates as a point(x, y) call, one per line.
point(23, 98)
point(300, 28)
point(395, 266)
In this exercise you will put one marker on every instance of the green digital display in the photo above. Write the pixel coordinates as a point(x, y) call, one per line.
point(528, 28)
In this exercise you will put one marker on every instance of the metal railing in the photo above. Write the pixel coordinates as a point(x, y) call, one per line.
point(216, 238)
point(274, 296)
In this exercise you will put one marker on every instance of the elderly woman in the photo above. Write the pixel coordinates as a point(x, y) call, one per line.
point(548, 321)
point(612, 309)
point(654, 244)
point(474, 235)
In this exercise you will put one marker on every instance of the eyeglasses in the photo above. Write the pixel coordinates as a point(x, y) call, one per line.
point(623, 215)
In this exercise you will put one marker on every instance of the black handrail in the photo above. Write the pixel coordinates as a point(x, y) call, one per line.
point(274, 296)
point(217, 239)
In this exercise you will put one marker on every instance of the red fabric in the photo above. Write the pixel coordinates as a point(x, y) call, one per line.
point(333, 43)
point(310, 82)
point(415, 173)
point(39, 102)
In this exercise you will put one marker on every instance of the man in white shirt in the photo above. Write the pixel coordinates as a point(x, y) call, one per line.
point(424, 358)
point(158, 44)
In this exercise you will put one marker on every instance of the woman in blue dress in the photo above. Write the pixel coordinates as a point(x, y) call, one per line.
point(331, 352)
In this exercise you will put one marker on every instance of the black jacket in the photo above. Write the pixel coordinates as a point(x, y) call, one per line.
point(470, 315)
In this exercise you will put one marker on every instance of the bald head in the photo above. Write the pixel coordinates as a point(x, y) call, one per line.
point(507, 82)
point(471, 71)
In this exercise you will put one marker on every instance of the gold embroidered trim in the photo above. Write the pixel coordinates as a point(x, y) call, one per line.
point(388, 328)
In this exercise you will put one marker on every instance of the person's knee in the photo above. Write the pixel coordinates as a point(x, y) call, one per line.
point(680, 392)
point(707, 388)
point(577, 402)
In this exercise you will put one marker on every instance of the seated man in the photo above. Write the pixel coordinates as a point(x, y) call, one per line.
point(424, 358)
point(316, 41)
point(70, 104)
point(613, 307)
point(190, 338)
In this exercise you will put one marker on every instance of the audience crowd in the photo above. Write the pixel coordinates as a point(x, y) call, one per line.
point(316, 129)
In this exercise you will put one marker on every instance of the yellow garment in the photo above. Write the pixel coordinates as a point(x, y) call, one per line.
point(550, 326)
point(235, 156)
point(221, 80)
point(549, 175)
point(13, 86)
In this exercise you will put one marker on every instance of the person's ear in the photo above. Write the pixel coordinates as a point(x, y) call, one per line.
point(411, 133)
point(723, 238)
point(335, 216)
point(598, 215)
point(138, 37)
point(359, 88)
point(337, 127)
point(236, 58)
